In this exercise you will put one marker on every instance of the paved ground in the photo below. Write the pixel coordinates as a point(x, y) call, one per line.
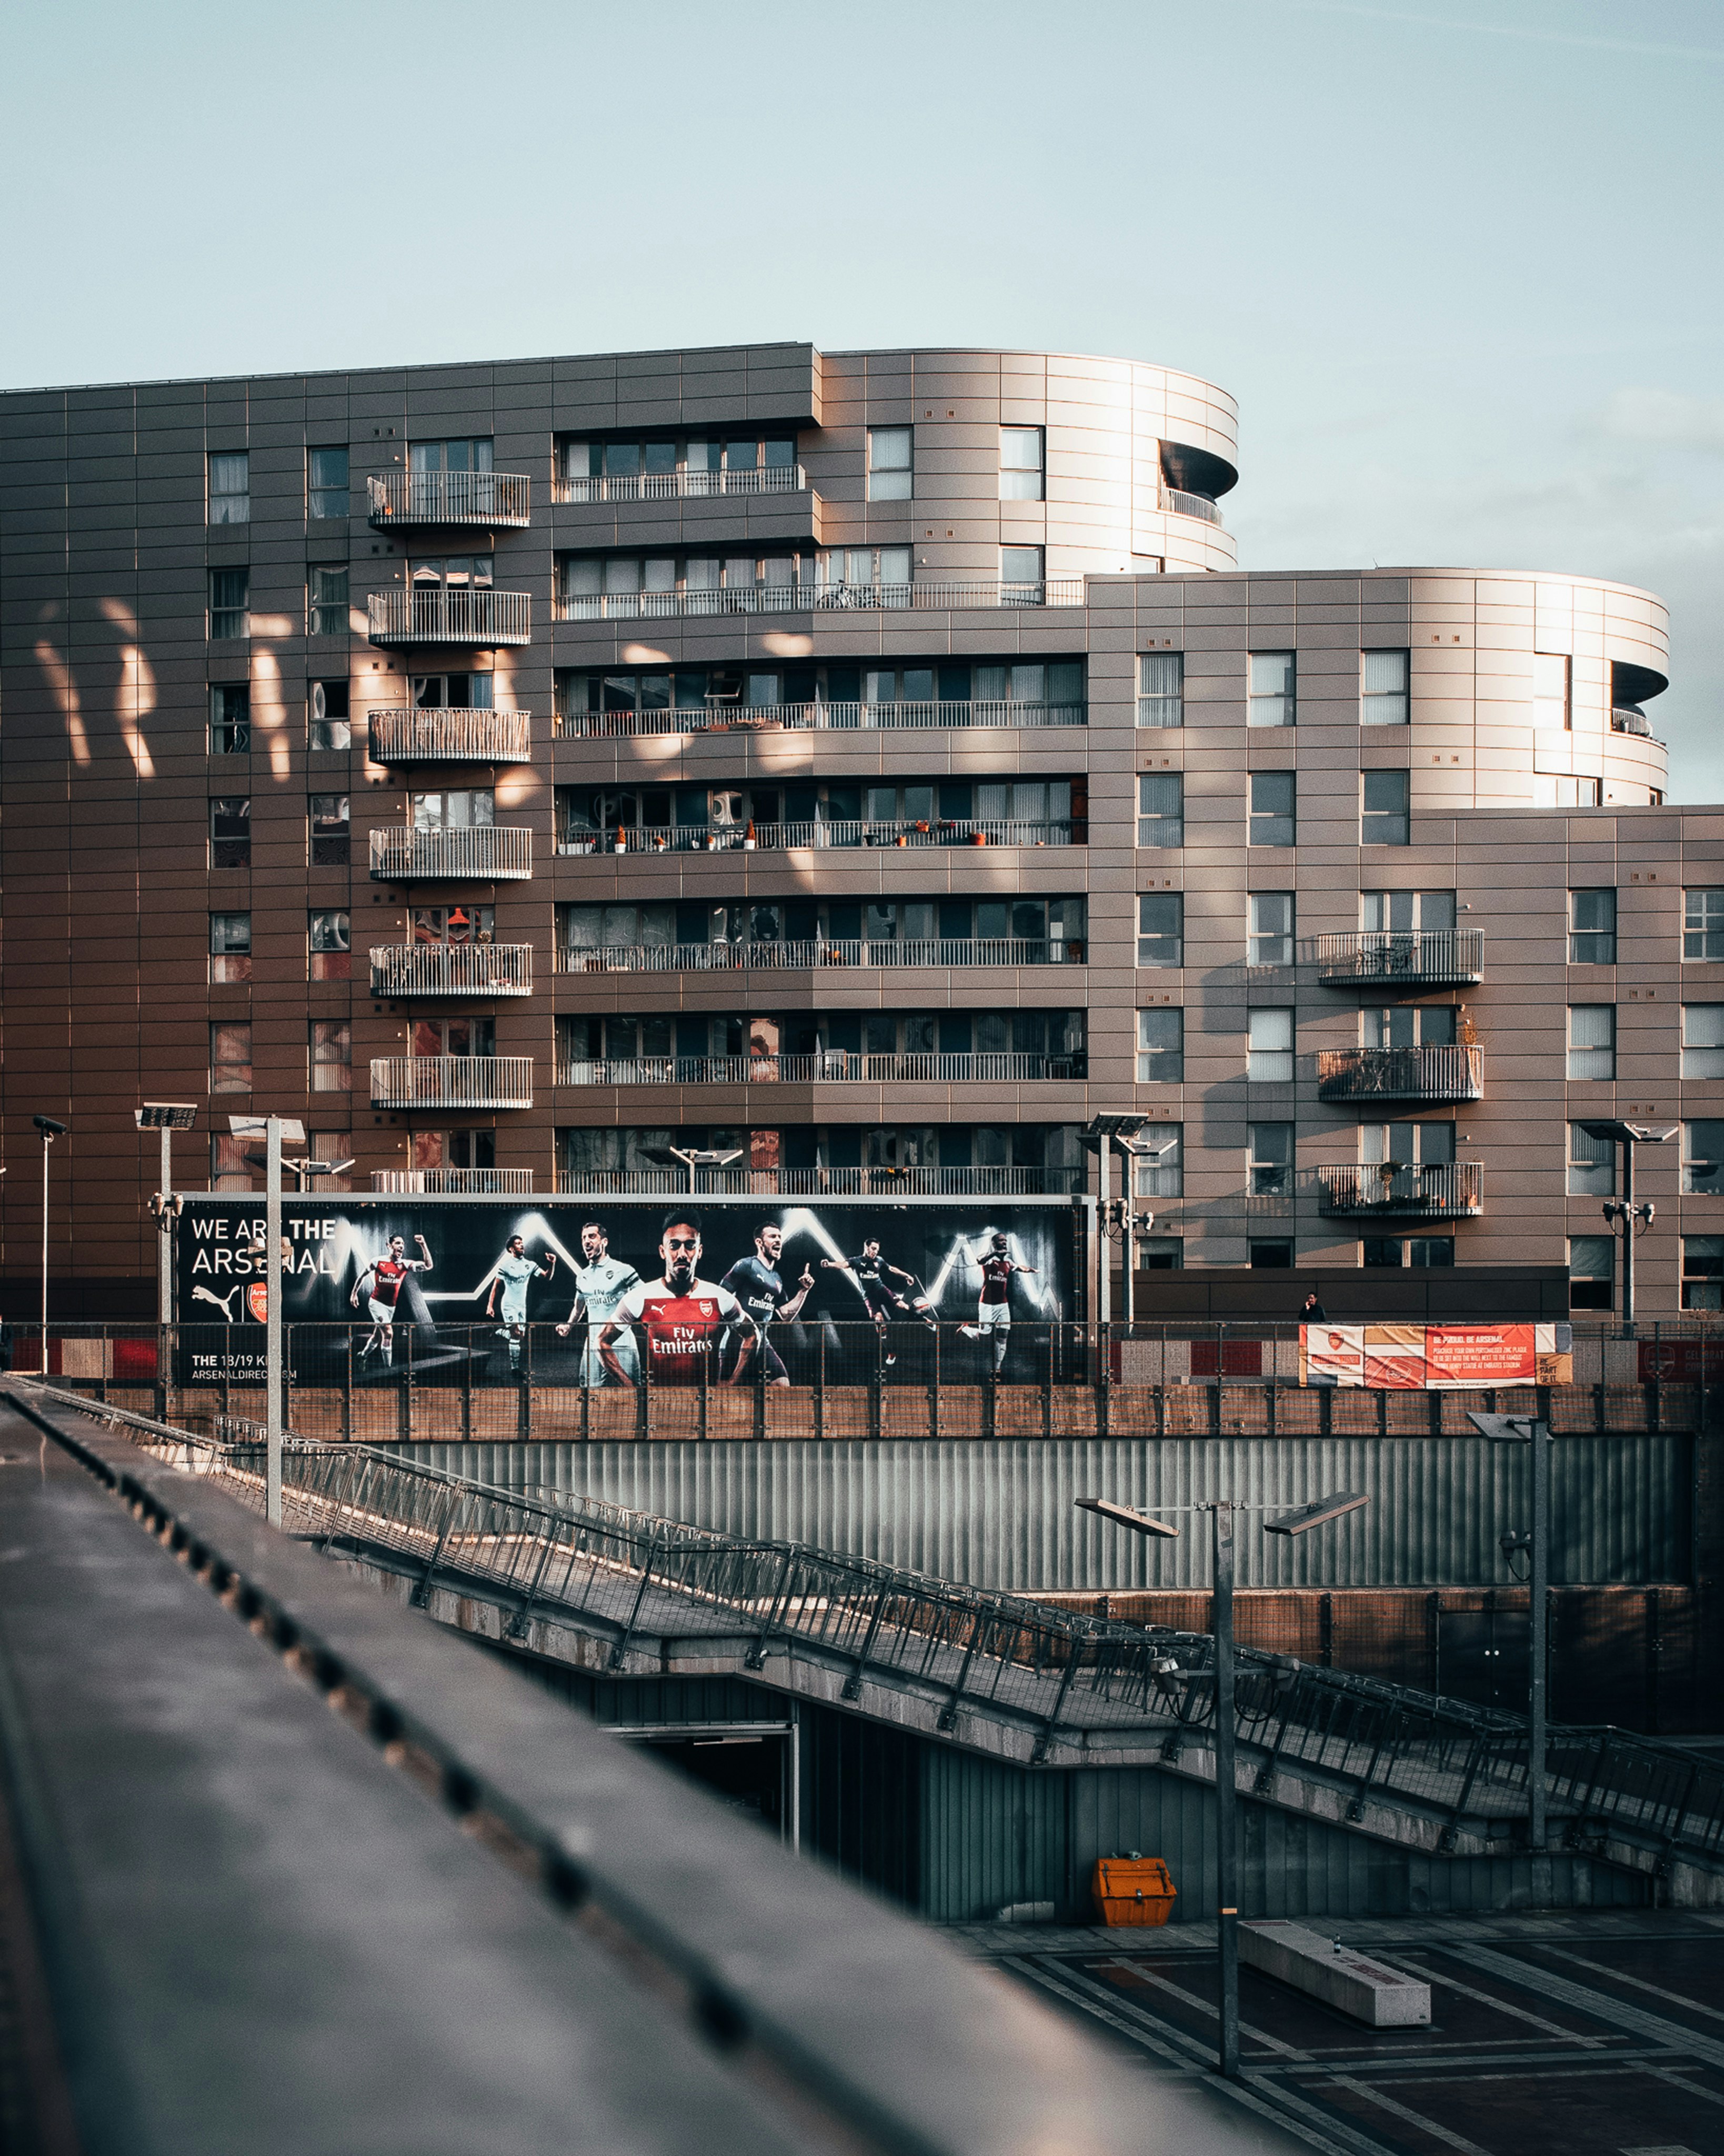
point(1578, 2035)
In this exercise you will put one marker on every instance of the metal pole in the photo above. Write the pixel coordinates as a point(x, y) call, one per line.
point(272, 1334)
point(1227, 1913)
point(1628, 1239)
point(46, 1140)
point(1104, 1294)
point(164, 1259)
point(1537, 1647)
point(1128, 1244)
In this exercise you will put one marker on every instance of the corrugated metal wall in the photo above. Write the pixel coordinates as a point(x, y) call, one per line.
point(1000, 1514)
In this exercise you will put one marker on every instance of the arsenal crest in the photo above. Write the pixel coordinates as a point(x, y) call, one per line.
point(257, 1301)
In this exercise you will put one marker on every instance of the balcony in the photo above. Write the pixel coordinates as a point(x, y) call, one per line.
point(831, 1067)
point(451, 969)
point(450, 736)
point(1399, 1074)
point(486, 852)
point(825, 1182)
point(780, 838)
point(402, 501)
point(782, 957)
point(1624, 719)
point(812, 599)
point(1402, 958)
point(452, 1081)
point(441, 613)
point(1394, 1190)
point(800, 718)
point(456, 1181)
point(1177, 503)
point(680, 485)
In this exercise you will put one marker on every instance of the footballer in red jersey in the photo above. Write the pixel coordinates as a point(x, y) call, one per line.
point(684, 1316)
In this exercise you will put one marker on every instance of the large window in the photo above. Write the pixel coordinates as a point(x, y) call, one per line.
point(1271, 695)
point(1407, 1145)
point(1563, 790)
point(656, 470)
point(326, 600)
point(229, 601)
point(230, 488)
point(1159, 1170)
point(327, 817)
point(1269, 1052)
point(1382, 688)
point(1592, 1164)
point(1423, 913)
point(1161, 928)
point(1592, 1041)
point(1703, 924)
point(229, 831)
point(328, 724)
point(230, 1059)
point(332, 1047)
point(454, 808)
point(1407, 1025)
point(1160, 1046)
point(329, 937)
point(1273, 809)
point(1703, 1272)
point(452, 924)
point(1416, 1251)
point(1383, 816)
point(472, 453)
point(1703, 1159)
point(891, 454)
point(454, 692)
point(1052, 928)
point(326, 484)
point(1021, 575)
point(1592, 927)
point(1161, 689)
point(229, 718)
point(1161, 808)
point(1271, 928)
point(1703, 1041)
point(1269, 1159)
point(229, 948)
point(1022, 464)
point(1592, 1272)
point(1551, 705)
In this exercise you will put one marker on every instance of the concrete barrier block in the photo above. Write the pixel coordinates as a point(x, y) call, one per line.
point(1353, 1983)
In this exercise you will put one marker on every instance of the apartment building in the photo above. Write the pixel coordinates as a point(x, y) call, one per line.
point(862, 768)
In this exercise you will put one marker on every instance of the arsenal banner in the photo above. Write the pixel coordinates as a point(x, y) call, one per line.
point(1435, 1357)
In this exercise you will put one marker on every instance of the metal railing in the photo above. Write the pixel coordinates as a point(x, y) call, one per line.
point(459, 1182)
point(491, 852)
point(778, 838)
point(826, 1182)
point(452, 1081)
point(1627, 721)
point(450, 735)
point(948, 597)
point(725, 718)
point(1178, 503)
point(451, 969)
point(441, 613)
point(1434, 958)
point(800, 957)
point(828, 1067)
point(1451, 1190)
point(449, 497)
point(679, 486)
point(1400, 1074)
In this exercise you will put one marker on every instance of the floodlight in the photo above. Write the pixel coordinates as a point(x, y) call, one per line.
point(164, 1116)
point(258, 1126)
point(1100, 1129)
point(1122, 1516)
point(1304, 1517)
point(1630, 1133)
point(1503, 1428)
point(49, 1127)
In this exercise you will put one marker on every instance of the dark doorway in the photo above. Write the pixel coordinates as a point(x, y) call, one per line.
point(1482, 1656)
point(747, 1770)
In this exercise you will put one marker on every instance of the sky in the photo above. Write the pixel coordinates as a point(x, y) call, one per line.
point(1460, 264)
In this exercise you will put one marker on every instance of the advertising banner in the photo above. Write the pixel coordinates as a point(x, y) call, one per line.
point(716, 1290)
point(1435, 1357)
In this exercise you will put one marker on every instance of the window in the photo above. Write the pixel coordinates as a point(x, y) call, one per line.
point(452, 924)
point(1269, 1159)
point(1269, 1053)
point(1592, 1041)
point(1592, 1272)
point(1551, 705)
point(1161, 928)
point(229, 831)
point(1703, 1159)
point(1022, 464)
point(1383, 684)
point(228, 1168)
point(1384, 819)
point(229, 720)
point(1592, 1164)
point(1270, 1257)
point(1270, 698)
point(229, 590)
point(1431, 1250)
point(1592, 927)
point(1271, 930)
point(471, 454)
point(331, 947)
point(1021, 575)
point(1161, 1254)
point(1703, 924)
point(468, 1149)
point(1272, 818)
point(1405, 912)
point(326, 484)
point(230, 1059)
point(332, 1145)
point(328, 816)
point(1407, 1145)
point(891, 462)
point(1703, 1041)
point(454, 1036)
point(1407, 1025)
point(1703, 1272)
point(326, 593)
point(1550, 791)
point(1161, 689)
point(455, 692)
point(454, 808)
point(1161, 808)
point(1159, 1171)
point(327, 725)
point(229, 948)
point(230, 488)
point(331, 1055)
point(1161, 1047)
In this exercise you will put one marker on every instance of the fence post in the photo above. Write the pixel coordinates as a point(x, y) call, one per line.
point(820, 1380)
point(347, 1390)
point(1048, 1381)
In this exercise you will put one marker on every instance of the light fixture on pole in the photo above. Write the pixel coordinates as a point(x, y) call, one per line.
point(1626, 1218)
point(1101, 1135)
point(697, 1156)
point(50, 1130)
point(272, 1129)
point(1527, 1429)
point(1300, 1521)
point(167, 1117)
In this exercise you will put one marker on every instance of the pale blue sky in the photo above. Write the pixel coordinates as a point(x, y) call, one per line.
point(1459, 265)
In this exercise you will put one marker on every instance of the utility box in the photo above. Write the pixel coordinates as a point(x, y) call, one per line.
point(1132, 1890)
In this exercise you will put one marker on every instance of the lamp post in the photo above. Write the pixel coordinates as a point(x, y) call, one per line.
point(697, 1156)
point(273, 1129)
point(167, 1117)
point(1221, 1511)
point(1101, 1135)
point(1527, 1429)
point(50, 1130)
point(1624, 1216)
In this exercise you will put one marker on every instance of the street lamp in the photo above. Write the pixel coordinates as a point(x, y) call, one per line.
point(704, 1157)
point(272, 1129)
point(1221, 1510)
point(1101, 1135)
point(50, 1130)
point(1624, 1216)
point(1527, 1429)
point(167, 1117)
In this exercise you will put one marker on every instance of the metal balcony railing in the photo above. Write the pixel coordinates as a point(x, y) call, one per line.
point(441, 613)
point(724, 717)
point(1399, 1074)
point(449, 498)
point(451, 969)
point(450, 735)
point(1178, 503)
point(828, 1067)
point(452, 1081)
point(1441, 958)
point(491, 853)
point(746, 957)
point(1451, 1191)
point(824, 1181)
point(776, 838)
point(816, 598)
point(680, 485)
point(1625, 720)
point(452, 1181)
